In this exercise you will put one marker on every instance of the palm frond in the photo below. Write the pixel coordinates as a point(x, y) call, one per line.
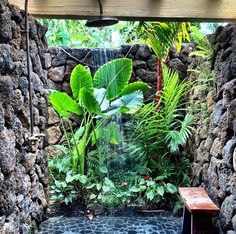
point(177, 138)
point(204, 49)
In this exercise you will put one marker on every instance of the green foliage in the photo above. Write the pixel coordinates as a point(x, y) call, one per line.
point(151, 130)
point(74, 33)
point(114, 77)
point(135, 86)
point(152, 189)
point(118, 157)
point(108, 194)
point(64, 187)
point(96, 100)
point(64, 105)
point(155, 137)
point(161, 36)
point(89, 102)
point(80, 78)
point(142, 191)
point(204, 48)
point(150, 146)
point(179, 137)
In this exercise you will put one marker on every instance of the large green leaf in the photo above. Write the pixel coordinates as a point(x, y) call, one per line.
point(79, 133)
point(160, 190)
point(89, 101)
point(114, 134)
point(103, 169)
point(129, 103)
point(136, 86)
point(171, 188)
point(99, 94)
point(113, 76)
point(64, 104)
point(109, 133)
point(150, 194)
point(162, 36)
point(78, 155)
point(80, 78)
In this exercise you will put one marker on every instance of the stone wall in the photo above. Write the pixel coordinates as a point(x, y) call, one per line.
point(23, 170)
point(215, 137)
point(61, 61)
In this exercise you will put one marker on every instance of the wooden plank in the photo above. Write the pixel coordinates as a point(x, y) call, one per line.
point(197, 200)
point(198, 10)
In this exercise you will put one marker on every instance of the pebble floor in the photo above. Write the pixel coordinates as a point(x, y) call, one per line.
point(111, 225)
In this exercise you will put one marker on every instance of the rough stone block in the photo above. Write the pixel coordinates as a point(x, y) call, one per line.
point(228, 210)
point(56, 74)
point(218, 112)
point(54, 134)
point(216, 149)
point(6, 27)
point(7, 152)
point(53, 117)
point(143, 52)
point(228, 152)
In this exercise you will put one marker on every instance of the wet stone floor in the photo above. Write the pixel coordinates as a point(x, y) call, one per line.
point(111, 225)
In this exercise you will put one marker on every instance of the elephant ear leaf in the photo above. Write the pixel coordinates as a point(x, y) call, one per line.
point(113, 76)
point(80, 78)
point(131, 102)
point(89, 102)
point(136, 86)
point(64, 104)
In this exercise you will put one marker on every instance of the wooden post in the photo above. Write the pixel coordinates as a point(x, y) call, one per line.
point(186, 226)
point(201, 224)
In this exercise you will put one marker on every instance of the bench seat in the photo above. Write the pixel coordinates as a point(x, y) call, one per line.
point(198, 212)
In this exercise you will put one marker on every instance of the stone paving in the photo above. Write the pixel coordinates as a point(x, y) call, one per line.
point(111, 225)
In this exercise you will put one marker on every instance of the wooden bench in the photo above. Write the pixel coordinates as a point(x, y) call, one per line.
point(198, 211)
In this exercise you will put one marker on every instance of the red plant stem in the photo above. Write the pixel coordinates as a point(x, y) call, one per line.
point(159, 83)
point(160, 80)
point(168, 56)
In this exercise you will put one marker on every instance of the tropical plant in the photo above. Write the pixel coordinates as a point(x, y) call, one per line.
point(204, 48)
point(64, 187)
point(96, 99)
point(155, 137)
point(74, 33)
point(161, 36)
point(109, 194)
point(157, 132)
point(152, 189)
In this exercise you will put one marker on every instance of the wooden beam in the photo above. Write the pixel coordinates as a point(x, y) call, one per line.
point(198, 10)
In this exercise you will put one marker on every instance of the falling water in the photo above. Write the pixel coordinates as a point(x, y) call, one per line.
point(100, 57)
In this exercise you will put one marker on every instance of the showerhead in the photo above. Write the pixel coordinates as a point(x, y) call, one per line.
point(101, 21)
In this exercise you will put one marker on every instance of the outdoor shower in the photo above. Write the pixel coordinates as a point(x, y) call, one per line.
point(101, 21)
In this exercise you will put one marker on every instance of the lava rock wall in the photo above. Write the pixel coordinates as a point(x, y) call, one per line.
point(23, 169)
point(61, 61)
point(215, 137)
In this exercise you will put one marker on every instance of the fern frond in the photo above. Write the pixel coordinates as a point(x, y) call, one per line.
point(179, 138)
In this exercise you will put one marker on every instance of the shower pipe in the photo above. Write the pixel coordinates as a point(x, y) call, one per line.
point(100, 6)
point(28, 69)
